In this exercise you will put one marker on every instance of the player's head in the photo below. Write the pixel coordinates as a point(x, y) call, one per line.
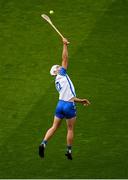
point(54, 70)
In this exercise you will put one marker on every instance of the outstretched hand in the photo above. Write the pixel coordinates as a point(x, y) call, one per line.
point(65, 41)
point(85, 102)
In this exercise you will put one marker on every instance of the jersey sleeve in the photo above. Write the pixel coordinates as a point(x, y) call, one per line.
point(62, 71)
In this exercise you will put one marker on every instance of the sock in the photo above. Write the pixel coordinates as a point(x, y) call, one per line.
point(44, 142)
point(69, 148)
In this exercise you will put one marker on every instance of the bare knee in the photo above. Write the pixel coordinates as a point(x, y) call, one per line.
point(70, 128)
point(54, 128)
point(71, 124)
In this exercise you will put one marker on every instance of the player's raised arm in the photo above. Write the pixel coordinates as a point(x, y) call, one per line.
point(65, 53)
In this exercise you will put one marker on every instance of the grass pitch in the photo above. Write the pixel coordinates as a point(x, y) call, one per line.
point(98, 32)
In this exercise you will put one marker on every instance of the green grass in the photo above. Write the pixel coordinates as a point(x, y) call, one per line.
point(98, 32)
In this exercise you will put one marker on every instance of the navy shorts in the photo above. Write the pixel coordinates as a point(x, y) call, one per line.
point(65, 109)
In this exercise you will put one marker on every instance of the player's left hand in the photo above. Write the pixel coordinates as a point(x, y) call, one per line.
point(65, 41)
point(85, 102)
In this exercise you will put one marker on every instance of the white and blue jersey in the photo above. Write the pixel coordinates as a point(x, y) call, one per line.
point(65, 87)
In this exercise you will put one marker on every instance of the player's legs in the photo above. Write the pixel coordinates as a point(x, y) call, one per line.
point(48, 135)
point(70, 130)
point(70, 136)
point(51, 131)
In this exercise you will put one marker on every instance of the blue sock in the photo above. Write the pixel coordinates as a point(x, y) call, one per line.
point(69, 148)
point(44, 142)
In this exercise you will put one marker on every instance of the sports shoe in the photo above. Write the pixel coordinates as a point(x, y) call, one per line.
point(69, 155)
point(41, 150)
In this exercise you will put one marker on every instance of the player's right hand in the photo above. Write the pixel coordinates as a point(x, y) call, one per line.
point(85, 102)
